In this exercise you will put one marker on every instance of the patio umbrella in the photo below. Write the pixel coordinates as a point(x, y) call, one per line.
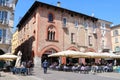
point(67, 53)
point(93, 55)
point(18, 61)
point(86, 55)
point(8, 56)
point(100, 55)
point(109, 55)
point(115, 56)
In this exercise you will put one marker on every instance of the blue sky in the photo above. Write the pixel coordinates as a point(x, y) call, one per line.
point(104, 9)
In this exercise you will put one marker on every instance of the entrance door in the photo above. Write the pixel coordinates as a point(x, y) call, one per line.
point(50, 60)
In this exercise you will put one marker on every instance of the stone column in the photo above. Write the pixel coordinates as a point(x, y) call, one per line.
point(37, 62)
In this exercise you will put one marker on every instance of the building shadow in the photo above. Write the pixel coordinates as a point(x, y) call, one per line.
point(26, 49)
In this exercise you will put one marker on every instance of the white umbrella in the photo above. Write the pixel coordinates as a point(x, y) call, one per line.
point(94, 55)
point(8, 56)
point(115, 56)
point(101, 55)
point(86, 55)
point(18, 61)
point(67, 53)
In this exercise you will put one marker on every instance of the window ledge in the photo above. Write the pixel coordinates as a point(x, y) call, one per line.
point(90, 44)
point(72, 42)
point(52, 40)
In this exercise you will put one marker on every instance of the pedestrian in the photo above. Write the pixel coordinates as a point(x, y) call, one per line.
point(30, 66)
point(45, 65)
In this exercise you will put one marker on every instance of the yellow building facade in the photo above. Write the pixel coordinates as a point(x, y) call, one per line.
point(115, 35)
point(15, 41)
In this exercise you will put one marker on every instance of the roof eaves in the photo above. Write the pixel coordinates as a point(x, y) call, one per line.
point(37, 3)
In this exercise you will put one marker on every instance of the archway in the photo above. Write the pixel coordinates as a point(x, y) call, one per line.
point(51, 60)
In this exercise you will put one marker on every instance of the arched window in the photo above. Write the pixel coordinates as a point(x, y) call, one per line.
point(50, 17)
point(51, 33)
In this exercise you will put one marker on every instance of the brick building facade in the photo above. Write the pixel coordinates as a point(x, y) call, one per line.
point(46, 29)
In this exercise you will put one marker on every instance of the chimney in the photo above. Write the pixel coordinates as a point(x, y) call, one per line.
point(58, 4)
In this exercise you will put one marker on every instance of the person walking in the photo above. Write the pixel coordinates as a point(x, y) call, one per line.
point(45, 65)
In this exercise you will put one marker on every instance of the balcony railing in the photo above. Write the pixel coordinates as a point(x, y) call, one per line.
point(4, 22)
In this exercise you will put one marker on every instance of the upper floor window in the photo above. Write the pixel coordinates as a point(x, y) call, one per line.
point(72, 37)
point(51, 33)
point(64, 21)
point(76, 23)
point(50, 17)
point(85, 25)
point(116, 40)
point(115, 33)
point(102, 25)
point(3, 16)
point(90, 40)
point(103, 33)
point(3, 2)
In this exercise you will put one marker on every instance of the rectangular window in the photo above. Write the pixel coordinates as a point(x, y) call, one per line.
point(85, 25)
point(115, 33)
point(3, 2)
point(76, 23)
point(72, 37)
point(64, 21)
point(3, 16)
point(90, 40)
point(102, 25)
point(116, 40)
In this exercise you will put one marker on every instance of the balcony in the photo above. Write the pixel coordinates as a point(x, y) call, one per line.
point(4, 23)
point(7, 6)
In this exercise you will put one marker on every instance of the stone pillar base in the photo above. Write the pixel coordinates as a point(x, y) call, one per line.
point(37, 62)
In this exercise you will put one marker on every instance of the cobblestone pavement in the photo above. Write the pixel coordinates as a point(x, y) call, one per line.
point(59, 75)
